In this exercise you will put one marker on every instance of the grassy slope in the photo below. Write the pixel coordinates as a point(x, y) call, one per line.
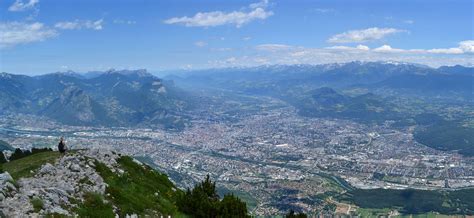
point(25, 167)
point(140, 189)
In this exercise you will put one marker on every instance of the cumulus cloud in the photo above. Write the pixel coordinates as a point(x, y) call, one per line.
point(387, 48)
point(446, 51)
point(255, 11)
point(287, 54)
point(20, 5)
point(363, 35)
point(80, 24)
point(120, 21)
point(359, 47)
point(14, 33)
point(467, 46)
point(200, 43)
point(261, 4)
point(363, 47)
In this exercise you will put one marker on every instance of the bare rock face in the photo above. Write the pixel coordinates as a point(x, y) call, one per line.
point(6, 186)
point(58, 185)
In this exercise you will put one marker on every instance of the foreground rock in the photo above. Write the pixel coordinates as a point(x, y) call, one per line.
point(58, 185)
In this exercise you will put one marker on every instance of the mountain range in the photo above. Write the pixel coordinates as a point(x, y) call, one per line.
point(136, 97)
point(377, 77)
point(111, 98)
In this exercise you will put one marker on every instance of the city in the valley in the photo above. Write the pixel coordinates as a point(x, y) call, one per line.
point(265, 152)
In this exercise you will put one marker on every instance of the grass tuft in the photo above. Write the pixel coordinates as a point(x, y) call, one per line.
point(37, 204)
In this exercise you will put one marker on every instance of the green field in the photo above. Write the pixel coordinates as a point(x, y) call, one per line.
point(370, 213)
point(412, 201)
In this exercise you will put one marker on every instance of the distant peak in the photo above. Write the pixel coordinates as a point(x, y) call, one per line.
point(5, 75)
point(67, 72)
point(139, 72)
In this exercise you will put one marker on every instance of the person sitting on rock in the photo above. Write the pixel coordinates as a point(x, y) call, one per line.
point(62, 146)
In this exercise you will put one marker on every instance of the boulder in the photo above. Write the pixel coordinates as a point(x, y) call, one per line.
point(75, 168)
point(47, 169)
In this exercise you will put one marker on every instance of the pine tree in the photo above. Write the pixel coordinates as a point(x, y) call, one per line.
point(292, 214)
point(203, 201)
point(2, 158)
point(17, 154)
point(232, 206)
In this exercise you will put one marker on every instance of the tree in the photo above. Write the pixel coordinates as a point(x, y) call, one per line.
point(2, 158)
point(232, 206)
point(203, 201)
point(18, 153)
point(39, 150)
point(292, 214)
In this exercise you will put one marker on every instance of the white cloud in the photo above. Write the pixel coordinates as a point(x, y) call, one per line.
point(446, 51)
point(14, 33)
point(387, 48)
point(80, 24)
point(363, 35)
point(247, 38)
point(359, 47)
point(218, 18)
point(21, 5)
point(231, 60)
point(200, 43)
point(120, 21)
point(467, 46)
point(261, 4)
point(409, 21)
point(286, 54)
point(363, 47)
point(273, 47)
point(221, 49)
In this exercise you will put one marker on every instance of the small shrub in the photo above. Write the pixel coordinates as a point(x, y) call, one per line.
point(37, 204)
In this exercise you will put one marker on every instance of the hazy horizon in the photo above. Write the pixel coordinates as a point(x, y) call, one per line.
point(177, 71)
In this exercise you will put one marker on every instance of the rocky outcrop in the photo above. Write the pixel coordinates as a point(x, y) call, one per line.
point(60, 186)
point(7, 188)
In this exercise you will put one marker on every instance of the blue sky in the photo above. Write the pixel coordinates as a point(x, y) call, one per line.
point(42, 36)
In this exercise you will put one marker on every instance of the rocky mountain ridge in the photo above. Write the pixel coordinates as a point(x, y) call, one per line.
point(111, 98)
point(60, 186)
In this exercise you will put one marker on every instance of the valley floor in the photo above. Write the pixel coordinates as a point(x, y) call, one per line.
point(269, 155)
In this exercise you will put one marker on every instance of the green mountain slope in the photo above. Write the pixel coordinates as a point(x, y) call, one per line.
point(326, 102)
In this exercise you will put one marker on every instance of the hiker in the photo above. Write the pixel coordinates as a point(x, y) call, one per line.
point(62, 146)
